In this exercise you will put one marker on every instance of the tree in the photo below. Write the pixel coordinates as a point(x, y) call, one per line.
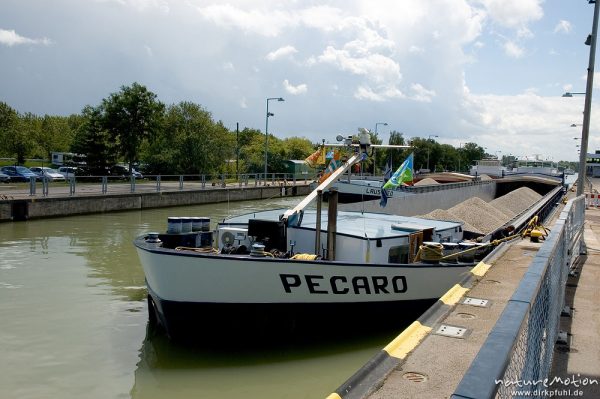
point(130, 116)
point(297, 148)
point(8, 124)
point(93, 141)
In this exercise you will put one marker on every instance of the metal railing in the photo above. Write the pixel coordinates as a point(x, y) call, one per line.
point(516, 357)
point(100, 185)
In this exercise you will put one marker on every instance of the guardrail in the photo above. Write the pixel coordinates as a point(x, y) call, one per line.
point(516, 358)
point(111, 184)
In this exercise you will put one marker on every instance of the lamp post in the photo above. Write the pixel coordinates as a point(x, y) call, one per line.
point(429, 150)
point(591, 41)
point(267, 133)
point(376, 124)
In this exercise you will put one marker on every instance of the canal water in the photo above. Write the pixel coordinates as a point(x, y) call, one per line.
point(74, 322)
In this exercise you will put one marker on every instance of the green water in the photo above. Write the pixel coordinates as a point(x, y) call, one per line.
point(73, 322)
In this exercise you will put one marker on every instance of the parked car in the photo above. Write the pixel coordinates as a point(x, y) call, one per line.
point(18, 173)
point(4, 178)
point(68, 171)
point(48, 173)
point(123, 172)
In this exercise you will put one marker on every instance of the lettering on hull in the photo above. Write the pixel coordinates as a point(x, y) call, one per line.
point(340, 285)
point(377, 192)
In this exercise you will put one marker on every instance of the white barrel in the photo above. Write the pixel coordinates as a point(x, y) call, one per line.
point(173, 225)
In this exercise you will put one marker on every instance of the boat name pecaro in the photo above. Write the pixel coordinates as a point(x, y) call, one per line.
point(341, 285)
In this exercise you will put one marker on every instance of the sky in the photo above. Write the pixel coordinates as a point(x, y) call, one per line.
point(485, 71)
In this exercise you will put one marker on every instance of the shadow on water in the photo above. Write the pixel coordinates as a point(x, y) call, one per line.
point(301, 365)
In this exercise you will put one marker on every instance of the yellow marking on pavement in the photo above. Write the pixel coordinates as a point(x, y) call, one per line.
point(480, 269)
point(453, 294)
point(407, 340)
point(334, 396)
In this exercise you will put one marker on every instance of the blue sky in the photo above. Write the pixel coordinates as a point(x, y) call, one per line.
point(484, 71)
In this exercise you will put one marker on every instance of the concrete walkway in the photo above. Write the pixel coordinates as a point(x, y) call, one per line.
point(436, 366)
point(580, 357)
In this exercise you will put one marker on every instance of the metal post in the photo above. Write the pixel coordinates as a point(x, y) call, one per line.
point(180, 182)
point(132, 183)
point(318, 223)
point(72, 185)
point(45, 186)
point(237, 150)
point(588, 105)
point(104, 184)
point(32, 186)
point(266, 141)
point(332, 222)
point(158, 183)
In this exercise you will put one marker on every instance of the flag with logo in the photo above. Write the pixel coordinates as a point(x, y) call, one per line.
point(333, 165)
point(403, 175)
point(316, 158)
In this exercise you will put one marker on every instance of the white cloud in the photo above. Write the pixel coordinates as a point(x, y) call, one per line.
point(228, 66)
point(513, 50)
point(141, 5)
point(364, 92)
point(524, 124)
point(416, 50)
point(148, 50)
point(421, 94)
point(255, 21)
point(281, 52)
point(514, 13)
point(375, 67)
point(563, 27)
point(11, 38)
point(294, 90)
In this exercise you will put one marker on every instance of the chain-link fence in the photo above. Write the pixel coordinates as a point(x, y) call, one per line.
point(517, 356)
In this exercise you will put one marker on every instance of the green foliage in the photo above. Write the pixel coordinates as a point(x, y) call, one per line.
point(93, 140)
point(130, 116)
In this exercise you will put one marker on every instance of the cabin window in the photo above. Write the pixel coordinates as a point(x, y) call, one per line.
point(398, 254)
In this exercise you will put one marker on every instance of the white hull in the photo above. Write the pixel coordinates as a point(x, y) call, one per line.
point(196, 278)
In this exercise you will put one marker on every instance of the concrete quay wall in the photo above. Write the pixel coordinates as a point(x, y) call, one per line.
point(35, 208)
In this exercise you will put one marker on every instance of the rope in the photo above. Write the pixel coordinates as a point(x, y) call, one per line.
point(430, 252)
point(199, 250)
point(305, 257)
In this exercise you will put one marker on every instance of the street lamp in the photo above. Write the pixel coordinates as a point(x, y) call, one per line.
point(267, 132)
point(585, 131)
point(376, 124)
point(429, 149)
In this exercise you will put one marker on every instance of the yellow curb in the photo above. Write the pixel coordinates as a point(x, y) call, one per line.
point(407, 340)
point(453, 294)
point(481, 269)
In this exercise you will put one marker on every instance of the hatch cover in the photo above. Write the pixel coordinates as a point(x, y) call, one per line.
point(482, 303)
point(452, 331)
